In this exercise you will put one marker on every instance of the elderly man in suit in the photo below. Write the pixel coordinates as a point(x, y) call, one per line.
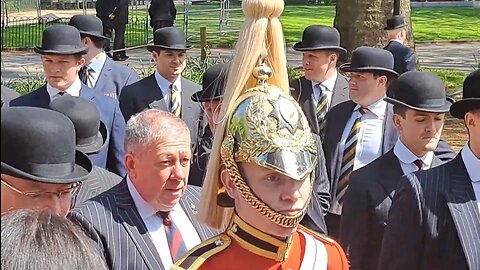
point(114, 16)
point(7, 95)
point(61, 53)
point(419, 107)
point(162, 13)
point(100, 72)
point(361, 130)
point(148, 220)
point(434, 221)
point(41, 170)
point(323, 86)
point(91, 137)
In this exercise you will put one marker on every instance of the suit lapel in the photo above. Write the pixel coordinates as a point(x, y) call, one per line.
point(43, 98)
point(464, 210)
point(153, 94)
point(307, 103)
point(390, 174)
point(436, 162)
point(103, 78)
point(340, 91)
point(390, 134)
point(136, 229)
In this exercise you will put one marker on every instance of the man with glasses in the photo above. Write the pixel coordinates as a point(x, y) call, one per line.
point(40, 168)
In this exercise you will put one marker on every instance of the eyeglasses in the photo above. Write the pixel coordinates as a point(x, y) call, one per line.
point(71, 191)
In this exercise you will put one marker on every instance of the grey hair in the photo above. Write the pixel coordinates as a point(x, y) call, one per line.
point(152, 125)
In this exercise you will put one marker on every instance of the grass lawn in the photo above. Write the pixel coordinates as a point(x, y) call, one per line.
point(430, 24)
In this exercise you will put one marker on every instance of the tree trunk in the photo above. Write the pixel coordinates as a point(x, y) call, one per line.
point(361, 22)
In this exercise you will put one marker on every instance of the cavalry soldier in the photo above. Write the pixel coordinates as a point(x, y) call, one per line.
point(259, 179)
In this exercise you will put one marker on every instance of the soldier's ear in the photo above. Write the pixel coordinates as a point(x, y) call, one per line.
point(228, 183)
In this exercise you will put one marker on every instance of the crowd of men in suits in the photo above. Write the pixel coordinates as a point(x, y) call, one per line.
point(387, 187)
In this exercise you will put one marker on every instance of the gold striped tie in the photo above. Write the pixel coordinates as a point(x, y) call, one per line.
point(349, 156)
point(176, 100)
point(321, 110)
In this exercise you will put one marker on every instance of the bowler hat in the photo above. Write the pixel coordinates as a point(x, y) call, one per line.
point(471, 96)
point(39, 145)
point(61, 39)
point(171, 38)
point(395, 22)
point(88, 25)
point(319, 37)
point(213, 83)
point(369, 59)
point(420, 91)
point(91, 133)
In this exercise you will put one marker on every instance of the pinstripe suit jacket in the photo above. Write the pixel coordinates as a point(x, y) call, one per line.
point(365, 209)
point(112, 220)
point(434, 222)
point(99, 181)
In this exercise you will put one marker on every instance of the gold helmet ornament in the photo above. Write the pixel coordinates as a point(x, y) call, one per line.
point(261, 123)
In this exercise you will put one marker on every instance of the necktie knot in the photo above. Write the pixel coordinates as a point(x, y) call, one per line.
point(363, 110)
point(419, 164)
point(165, 217)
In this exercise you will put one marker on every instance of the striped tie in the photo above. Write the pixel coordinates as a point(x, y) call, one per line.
point(322, 107)
point(349, 156)
point(176, 100)
point(86, 76)
point(174, 237)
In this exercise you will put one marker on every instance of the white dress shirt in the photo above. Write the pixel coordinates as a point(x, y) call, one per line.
point(407, 158)
point(472, 163)
point(396, 40)
point(164, 85)
point(73, 90)
point(328, 87)
point(96, 67)
point(154, 224)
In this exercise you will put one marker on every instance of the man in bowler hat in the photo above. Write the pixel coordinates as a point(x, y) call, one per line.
point(61, 60)
point(323, 86)
point(361, 129)
point(404, 56)
point(99, 71)
point(162, 13)
point(41, 169)
point(166, 89)
point(114, 16)
point(419, 107)
point(434, 221)
point(91, 137)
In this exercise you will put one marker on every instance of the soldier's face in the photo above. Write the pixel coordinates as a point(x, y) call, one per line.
point(419, 131)
point(170, 63)
point(61, 70)
point(316, 64)
point(281, 193)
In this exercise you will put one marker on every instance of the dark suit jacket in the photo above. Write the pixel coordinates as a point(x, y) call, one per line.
point(99, 181)
point(7, 95)
point(404, 57)
point(302, 92)
point(162, 10)
point(106, 7)
point(365, 209)
point(114, 77)
point(339, 116)
point(434, 222)
point(111, 157)
point(112, 220)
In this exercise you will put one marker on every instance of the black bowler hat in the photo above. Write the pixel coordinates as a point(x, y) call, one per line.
point(395, 22)
point(319, 37)
point(39, 145)
point(171, 38)
point(471, 96)
point(61, 39)
point(88, 25)
point(214, 81)
point(91, 133)
point(369, 59)
point(420, 91)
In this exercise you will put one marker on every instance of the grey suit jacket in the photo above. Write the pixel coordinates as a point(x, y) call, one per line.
point(114, 77)
point(365, 209)
point(112, 220)
point(99, 181)
point(302, 92)
point(434, 222)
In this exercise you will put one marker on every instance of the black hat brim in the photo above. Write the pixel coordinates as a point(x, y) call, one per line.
point(81, 51)
point(99, 142)
point(197, 97)
point(395, 27)
point(98, 35)
point(347, 68)
point(461, 107)
point(299, 47)
point(433, 109)
point(81, 171)
point(175, 48)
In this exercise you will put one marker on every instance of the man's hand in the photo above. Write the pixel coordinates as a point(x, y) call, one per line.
point(112, 15)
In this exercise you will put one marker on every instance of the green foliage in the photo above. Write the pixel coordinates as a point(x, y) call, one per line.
point(453, 79)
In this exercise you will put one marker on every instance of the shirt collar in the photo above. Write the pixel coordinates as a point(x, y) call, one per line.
point(144, 209)
point(164, 84)
point(98, 63)
point(73, 90)
point(406, 156)
point(378, 108)
point(330, 82)
point(472, 163)
point(397, 40)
